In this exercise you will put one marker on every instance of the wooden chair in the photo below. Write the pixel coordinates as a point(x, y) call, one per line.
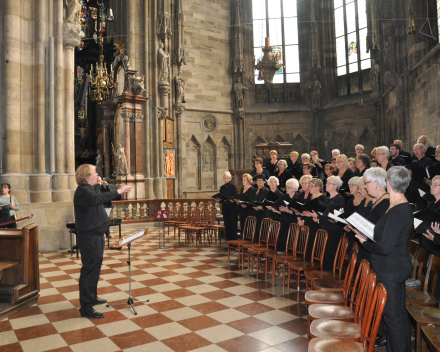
point(336, 298)
point(368, 331)
point(265, 228)
point(174, 216)
point(420, 263)
point(194, 220)
point(422, 314)
point(343, 312)
point(183, 222)
point(212, 227)
point(424, 298)
point(259, 253)
point(338, 266)
point(316, 261)
point(248, 237)
point(200, 228)
point(430, 336)
point(413, 246)
point(297, 240)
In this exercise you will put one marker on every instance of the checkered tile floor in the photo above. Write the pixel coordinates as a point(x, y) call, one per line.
point(198, 302)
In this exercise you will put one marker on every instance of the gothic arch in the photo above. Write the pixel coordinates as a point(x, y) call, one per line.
point(208, 163)
point(278, 138)
point(192, 164)
point(349, 142)
point(300, 144)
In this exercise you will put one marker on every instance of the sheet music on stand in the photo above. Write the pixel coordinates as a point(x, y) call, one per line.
point(108, 211)
point(362, 224)
point(131, 238)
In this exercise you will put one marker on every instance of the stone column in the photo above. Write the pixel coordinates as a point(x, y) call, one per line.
point(131, 31)
point(106, 147)
point(127, 141)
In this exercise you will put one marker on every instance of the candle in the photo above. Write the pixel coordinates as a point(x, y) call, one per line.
point(267, 41)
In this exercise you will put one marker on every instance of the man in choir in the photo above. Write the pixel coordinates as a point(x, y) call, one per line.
point(359, 149)
point(229, 207)
point(335, 153)
point(295, 168)
point(271, 165)
point(427, 145)
point(91, 224)
point(404, 155)
point(395, 159)
point(437, 162)
point(382, 154)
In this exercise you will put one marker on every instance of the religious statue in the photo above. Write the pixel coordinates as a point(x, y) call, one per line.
point(73, 10)
point(373, 42)
point(180, 88)
point(137, 83)
point(99, 162)
point(315, 88)
point(163, 60)
point(89, 26)
point(374, 77)
point(169, 164)
point(121, 161)
point(239, 90)
point(207, 164)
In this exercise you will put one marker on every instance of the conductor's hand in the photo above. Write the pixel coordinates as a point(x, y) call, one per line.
point(124, 189)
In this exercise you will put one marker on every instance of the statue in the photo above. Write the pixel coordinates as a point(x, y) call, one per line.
point(239, 90)
point(169, 164)
point(121, 161)
point(373, 42)
point(99, 162)
point(163, 60)
point(374, 77)
point(391, 54)
point(89, 26)
point(180, 88)
point(315, 88)
point(137, 83)
point(73, 10)
point(207, 164)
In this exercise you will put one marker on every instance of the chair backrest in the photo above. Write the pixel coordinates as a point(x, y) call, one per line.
point(356, 246)
point(349, 277)
point(338, 264)
point(292, 236)
point(374, 316)
point(212, 216)
point(173, 212)
point(249, 228)
point(319, 246)
point(195, 217)
point(205, 216)
point(273, 237)
point(366, 298)
point(301, 242)
point(265, 228)
point(412, 248)
point(359, 283)
point(434, 270)
point(420, 263)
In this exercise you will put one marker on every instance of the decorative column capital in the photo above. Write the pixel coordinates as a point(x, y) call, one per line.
point(161, 113)
point(71, 34)
point(179, 108)
point(164, 88)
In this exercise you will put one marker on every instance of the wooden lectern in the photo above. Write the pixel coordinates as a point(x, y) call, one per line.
point(19, 273)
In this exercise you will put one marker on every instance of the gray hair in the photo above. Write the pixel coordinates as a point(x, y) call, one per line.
point(377, 174)
point(305, 177)
point(293, 182)
point(399, 178)
point(435, 178)
point(274, 178)
point(360, 182)
point(336, 150)
point(282, 162)
point(336, 180)
point(383, 150)
point(360, 146)
point(354, 181)
point(305, 155)
point(419, 145)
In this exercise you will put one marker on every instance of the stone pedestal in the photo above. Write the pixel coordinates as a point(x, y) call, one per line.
point(60, 185)
point(40, 188)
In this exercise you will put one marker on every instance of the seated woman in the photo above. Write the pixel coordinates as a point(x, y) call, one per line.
point(259, 196)
point(283, 175)
point(362, 164)
point(352, 163)
point(243, 210)
point(295, 167)
point(10, 204)
point(272, 165)
point(390, 259)
point(329, 169)
point(305, 194)
point(307, 169)
point(259, 170)
point(428, 241)
point(332, 188)
point(366, 205)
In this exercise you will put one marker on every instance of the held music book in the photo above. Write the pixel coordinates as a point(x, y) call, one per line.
point(420, 173)
point(423, 219)
point(427, 197)
point(363, 225)
point(131, 238)
point(313, 205)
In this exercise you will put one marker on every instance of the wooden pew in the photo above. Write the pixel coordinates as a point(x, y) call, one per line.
point(19, 273)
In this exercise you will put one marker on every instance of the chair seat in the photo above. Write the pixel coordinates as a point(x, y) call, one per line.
point(319, 297)
point(258, 250)
point(237, 242)
point(424, 314)
point(328, 311)
point(217, 226)
point(421, 298)
point(286, 259)
point(431, 334)
point(301, 265)
point(196, 228)
point(327, 328)
point(273, 254)
point(328, 285)
point(329, 344)
point(319, 274)
point(253, 245)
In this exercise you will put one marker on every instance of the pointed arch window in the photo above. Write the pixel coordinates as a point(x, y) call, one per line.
point(353, 60)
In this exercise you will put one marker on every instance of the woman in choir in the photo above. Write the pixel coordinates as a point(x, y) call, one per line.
point(9, 202)
point(307, 169)
point(429, 241)
point(318, 163)
point(374, 163)
point(369, 200)
point(352, 163)
point(259, 170)
point(287, 216)
point(229, 207)
point(283, 175)
point(273, 188)
point(295, 167)
point(389, 257)
point(329, 169)
point(357, 202)
point(373, 153)
point(345, 174)
point(335, 164)
point(332, 188)
point(305, 195)
point(247, 189)
point(362, 164)
point(382, 155)
point(258, 211)
point(272, 164)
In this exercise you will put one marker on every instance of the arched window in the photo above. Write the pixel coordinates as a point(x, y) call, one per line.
point(351, 46)
point(277, 19)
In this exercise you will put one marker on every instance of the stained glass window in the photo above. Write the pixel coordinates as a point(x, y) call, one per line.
point(351, 48)
point(277, 19)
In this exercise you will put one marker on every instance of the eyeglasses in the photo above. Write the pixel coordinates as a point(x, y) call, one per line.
point(434, 184)
point(359, 149)
point(305, 183)
point(417, 148)
point(314, 186)
point(366, 183)
point(331, 183)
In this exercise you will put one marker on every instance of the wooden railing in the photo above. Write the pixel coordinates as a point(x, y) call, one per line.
point(142, 210)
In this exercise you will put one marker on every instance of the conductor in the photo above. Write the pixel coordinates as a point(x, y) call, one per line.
point(91, 224)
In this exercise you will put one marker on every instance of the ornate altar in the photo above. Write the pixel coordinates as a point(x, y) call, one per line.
point(262, 150)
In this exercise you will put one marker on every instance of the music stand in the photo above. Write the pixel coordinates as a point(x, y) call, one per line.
point(128, 241)
point(162, 215)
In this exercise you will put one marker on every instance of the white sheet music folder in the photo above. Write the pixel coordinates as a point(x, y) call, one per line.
point(362, 224)
point(131, 238)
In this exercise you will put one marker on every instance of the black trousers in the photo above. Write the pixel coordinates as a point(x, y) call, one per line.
point(230, 217)
point(395, 321)
point(92, 252)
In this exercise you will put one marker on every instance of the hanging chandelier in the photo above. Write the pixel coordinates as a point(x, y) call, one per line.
point(101, 83)
point(268, 64)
